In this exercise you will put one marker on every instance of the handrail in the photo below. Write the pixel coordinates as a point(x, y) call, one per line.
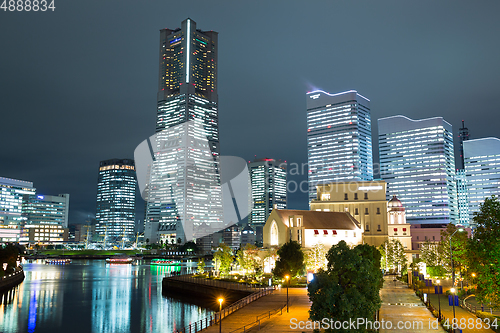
point(215, 318)
point(258, 321)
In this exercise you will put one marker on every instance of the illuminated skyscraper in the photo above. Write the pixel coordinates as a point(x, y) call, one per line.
point(187, 90)
point(339, 142)
point(462, 192)
point(11, 199)
point(482, 169)
point(268, 191)
point(46, 209)
point(418, 164)
point(116, 187)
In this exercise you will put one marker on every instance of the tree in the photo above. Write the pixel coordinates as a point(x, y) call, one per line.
point(393, 255)
point(349, 287)
point(316, 257)
point(249, 260)
point(458, 245)
point(429, 253)
point(291, 260)
point(484, 251)
point(201, 266)
point(8, 255)
point(223, 258)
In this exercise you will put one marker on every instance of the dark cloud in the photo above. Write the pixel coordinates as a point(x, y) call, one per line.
point(78, 85)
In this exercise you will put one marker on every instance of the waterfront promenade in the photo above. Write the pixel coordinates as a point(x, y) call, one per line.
point(299, 305)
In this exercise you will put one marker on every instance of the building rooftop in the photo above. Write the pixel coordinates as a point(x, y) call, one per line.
point(322, 220)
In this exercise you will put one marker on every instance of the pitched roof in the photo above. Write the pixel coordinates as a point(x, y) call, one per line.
point(322, 220)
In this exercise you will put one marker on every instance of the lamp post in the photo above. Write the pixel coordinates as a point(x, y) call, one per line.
point(220, 314)
point(439, 299)
point(451, 257)
point(287, 277)
point(453, 302)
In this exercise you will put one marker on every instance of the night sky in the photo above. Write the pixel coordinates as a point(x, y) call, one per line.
point(78, 85)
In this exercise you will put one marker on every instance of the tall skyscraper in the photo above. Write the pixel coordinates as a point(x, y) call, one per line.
point(187, 87)
point(268, 191)
point(339, 142)
point(482, 169)
point(184, 187)
point(46, 209)
point(11, 199)
point(417, 162)
point(462, 192)
point(463, 135)
point(116, 188)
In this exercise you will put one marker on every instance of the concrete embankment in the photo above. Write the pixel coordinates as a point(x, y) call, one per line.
point(205, 292)
point(12, 280)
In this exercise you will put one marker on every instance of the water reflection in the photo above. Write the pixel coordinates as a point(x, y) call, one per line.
point(92, 296)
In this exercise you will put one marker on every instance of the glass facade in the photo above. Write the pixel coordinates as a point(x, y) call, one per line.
point(116, 187)
point(187, 90)
point(268, 191)
point(463, 198)
point(482, 169)
point(11, 199)
point(46, 209)
point(418, 164)
point(339, 143)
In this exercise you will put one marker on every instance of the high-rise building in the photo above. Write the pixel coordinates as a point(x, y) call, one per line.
point(11, 199)
point(482, 169)
point(187, 91)
point(417, 162)
point(461, 179)
point(463, 135)
point(268, 191)
point(116, 188)
point(46, 209)
point(187, 87)
point(339, 141)
point(462, 198)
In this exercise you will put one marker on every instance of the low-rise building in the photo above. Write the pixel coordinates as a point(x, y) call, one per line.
point(309, 228)
point(364, 200)
point(44, 234)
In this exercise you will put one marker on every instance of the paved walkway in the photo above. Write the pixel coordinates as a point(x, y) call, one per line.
point(447, 311)
point(298, 308)
point(401, 306)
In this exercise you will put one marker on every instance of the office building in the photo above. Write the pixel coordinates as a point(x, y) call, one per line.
point(116, 188)
point(418, 164)
point(462, 198)
point(339, 142)
point(463, 135)
point(268, 191)
point(44, 234)
point(46, 209)
point(482, 169)
point(187, 91)
point(11, 200)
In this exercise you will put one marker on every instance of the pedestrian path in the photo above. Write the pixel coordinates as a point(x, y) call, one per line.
point(460, 314)
point(282, 321)
point(404, 310)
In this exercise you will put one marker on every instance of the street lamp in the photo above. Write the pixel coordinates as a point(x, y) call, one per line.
point(453, 302)
point(287, 277)
point(451, 256)
point(439, 299)
point(220, 314)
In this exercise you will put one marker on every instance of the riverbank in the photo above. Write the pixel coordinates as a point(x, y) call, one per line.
point(9, 281)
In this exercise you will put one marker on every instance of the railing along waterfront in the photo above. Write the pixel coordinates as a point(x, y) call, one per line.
point(215, 318)
point(215, 283)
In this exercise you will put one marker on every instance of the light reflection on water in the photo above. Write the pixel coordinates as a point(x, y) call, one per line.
point(92, 296)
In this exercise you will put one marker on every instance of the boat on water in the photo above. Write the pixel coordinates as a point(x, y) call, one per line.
point(165, 262)
point(119, 260)
point(58, 261)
